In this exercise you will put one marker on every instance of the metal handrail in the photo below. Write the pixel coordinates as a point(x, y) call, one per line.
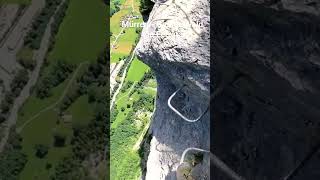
point(180, 114)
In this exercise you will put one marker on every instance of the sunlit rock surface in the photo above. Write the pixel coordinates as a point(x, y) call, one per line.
point(175, 44)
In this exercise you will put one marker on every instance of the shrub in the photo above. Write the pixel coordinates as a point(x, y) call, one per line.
point(41, 150)
point(59, 140)
point(146, 6)
point(123, 109)
point(59, 72)
point(25, 58)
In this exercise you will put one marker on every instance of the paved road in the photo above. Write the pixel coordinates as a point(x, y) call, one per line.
point(122, 79)
point(114, 74)
point(39, 56)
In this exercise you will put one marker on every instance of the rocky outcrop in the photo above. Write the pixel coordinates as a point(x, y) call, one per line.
point(175, 44)
point(267, 117)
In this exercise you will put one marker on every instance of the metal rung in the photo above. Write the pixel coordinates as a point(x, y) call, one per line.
point(180, 114)
point(191, 149)
point(216, 162)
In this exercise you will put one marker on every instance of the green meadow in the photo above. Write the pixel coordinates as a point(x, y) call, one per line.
point(82, 34)
point(137, 70)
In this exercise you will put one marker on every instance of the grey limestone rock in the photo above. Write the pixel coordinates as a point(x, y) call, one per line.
point(175, 44)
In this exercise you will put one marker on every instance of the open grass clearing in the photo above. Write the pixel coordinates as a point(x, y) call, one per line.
point(33, 105)
point(116, 57)
point(81, 111)
point(41, 132)
point(82, 36)
point(137, 70)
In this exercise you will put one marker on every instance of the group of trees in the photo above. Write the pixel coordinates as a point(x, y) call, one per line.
point(16, 86)
point(146, 102)
point(33, 38)
point(41, 150)
point(25, 58)
point(91, 82)
point(114, 113)
point(12, 160)
point(146, 6)
point(90, 139)
point(115, 7)
point(19, 81)
point(59, 72)
point(59, 140)
point(58, 18)
point(126, 86)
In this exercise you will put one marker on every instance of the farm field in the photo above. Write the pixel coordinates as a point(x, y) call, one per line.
point(127, 39)
point(134, 104)
point(80, 40)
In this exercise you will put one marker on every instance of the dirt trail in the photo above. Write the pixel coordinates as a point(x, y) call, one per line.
point(64, 93)
point(127, 94)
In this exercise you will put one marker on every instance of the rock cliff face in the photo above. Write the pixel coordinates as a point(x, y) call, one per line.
point(267, 117)
point(175, 44)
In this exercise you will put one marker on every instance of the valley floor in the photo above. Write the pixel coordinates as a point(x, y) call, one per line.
point(133, 91)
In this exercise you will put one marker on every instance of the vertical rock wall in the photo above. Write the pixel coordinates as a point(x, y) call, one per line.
point(175, 44)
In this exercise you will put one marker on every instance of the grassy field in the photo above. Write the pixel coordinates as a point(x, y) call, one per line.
point(82, 34)
point(137, 70)
point(81, 111)
point(81, 37)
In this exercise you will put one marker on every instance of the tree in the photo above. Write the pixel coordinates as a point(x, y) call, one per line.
point(25, 58)
point(146, 6)
point(95, 94)
point(59, 140)
point(48, 166)
point(123, 109)
point(41, 150)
